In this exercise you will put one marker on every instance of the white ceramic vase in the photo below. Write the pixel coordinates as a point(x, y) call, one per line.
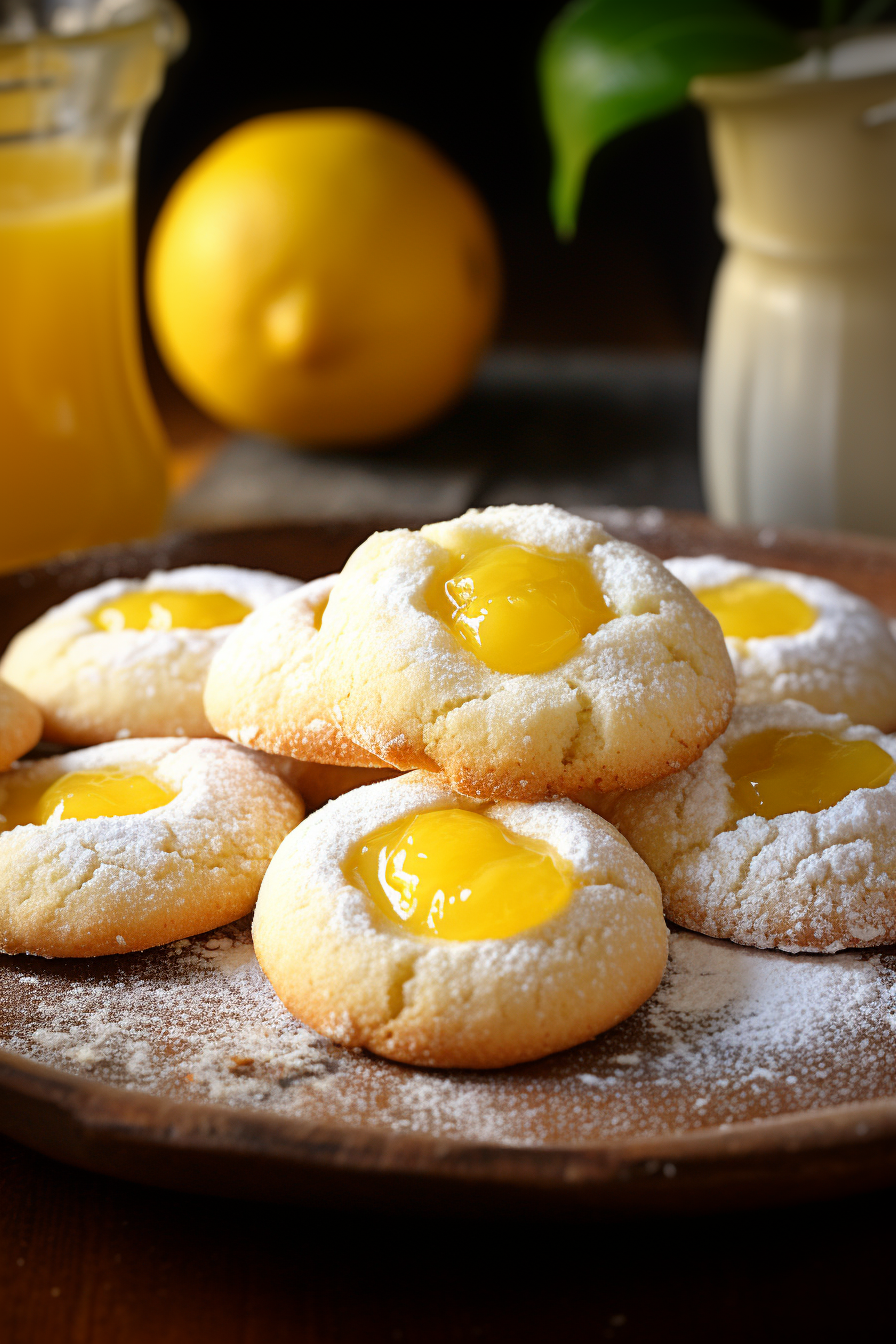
point(798, 414)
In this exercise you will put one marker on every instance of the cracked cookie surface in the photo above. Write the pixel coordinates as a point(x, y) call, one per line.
point(343, 968)
point(94, 685)
point(262, 691)
point(845, 662)
point(83, 888)
point(802, 881)
point(638, 698)
point(21, 724)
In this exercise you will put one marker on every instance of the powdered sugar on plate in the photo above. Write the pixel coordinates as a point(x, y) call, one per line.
point(732, 1034)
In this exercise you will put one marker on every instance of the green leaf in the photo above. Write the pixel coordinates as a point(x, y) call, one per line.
point(608, 64)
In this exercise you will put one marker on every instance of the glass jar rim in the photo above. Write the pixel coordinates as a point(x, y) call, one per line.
point(163, 17)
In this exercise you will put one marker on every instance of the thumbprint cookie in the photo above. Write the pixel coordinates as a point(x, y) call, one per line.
point(130, 657)
point(131, 844)
point(21, 725)
point(261, 688)
point(782, 835)
point(522, 652)
point(797, 637)
point(439, 930)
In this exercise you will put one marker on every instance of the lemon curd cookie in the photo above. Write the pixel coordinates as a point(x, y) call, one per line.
point(130, 844)
point(21, 724)
point(438, 930)
point(261, 688)
point(797, 637)
point(130, 657)
point(523, 652)
point(782, 835)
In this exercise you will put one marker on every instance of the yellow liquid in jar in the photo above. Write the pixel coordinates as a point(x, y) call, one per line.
point(164, 609)
point(519, 609)
point(83, 460)
point(757, 609)
point(81, 795)
point(458, 875)
point(778, 771)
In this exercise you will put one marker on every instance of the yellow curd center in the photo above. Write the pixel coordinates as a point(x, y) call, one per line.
point(517, 608)
point(80, 796)
point(757, 608)
point(458, 875)
point(162, 609)
point(777, 771)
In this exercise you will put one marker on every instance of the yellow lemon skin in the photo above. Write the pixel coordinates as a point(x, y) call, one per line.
point(324, 276)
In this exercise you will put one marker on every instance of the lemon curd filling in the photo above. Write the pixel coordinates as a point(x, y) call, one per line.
point(80, 796)
point(757, 608)
point(161, 609)
point(517, 608)
point(777, 771)
point(458, 875)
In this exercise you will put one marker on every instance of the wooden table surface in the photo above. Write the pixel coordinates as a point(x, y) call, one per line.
point(89, 1260)
point(576, 428)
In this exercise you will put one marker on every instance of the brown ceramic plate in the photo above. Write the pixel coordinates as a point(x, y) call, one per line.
point(749, 1077)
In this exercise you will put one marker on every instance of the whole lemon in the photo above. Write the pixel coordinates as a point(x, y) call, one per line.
point(326, 276)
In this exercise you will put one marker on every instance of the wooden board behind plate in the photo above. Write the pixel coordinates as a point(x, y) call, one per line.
point(686, 1106)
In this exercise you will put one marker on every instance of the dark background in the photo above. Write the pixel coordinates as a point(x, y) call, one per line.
point(638, 274)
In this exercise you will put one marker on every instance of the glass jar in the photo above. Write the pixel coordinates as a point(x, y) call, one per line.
point(82, 449)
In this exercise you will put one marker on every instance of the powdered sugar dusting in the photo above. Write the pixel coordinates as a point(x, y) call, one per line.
point(195, 1018)
point(732, 1034)
point(846, 660)
point(255, 587)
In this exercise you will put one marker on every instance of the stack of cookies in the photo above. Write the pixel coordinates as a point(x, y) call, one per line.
point(542, 715)
point(155, 830)
point(469, 912)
